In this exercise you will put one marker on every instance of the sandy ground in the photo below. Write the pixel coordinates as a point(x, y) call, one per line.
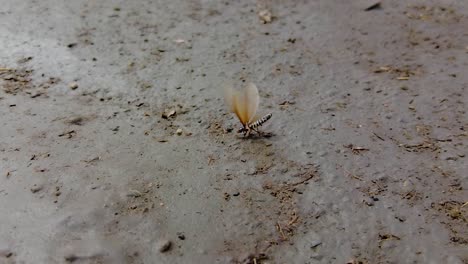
point(365, 160)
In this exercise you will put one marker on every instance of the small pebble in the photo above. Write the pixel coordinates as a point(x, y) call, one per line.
point(315, 243)
point(181, 236)
point(5, 253)
point(164, 245)
point(73, 85)
point(179, 131)
point(36, 188)
point(134, 193)
point(265, 16)
point(168, 113)
point(71, 258)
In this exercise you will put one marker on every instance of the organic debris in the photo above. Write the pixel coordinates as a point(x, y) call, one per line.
point(15, 80)
point(402, 73)
point(425, 145)
point(287, 223)
point(438, 14)
point(355, 149)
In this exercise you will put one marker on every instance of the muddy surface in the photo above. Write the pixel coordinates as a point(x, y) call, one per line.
point(116, 145)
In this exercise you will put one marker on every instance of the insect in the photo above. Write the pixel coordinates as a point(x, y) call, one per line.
point(244, 104)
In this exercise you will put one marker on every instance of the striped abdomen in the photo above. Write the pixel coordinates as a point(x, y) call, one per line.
point(260, 121)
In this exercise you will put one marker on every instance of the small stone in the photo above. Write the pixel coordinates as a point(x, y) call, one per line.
point(94, 187)
point(315, 243)
point(164, 245)
point(134, 193)
point(168, 113)
point(179, 131)
point(71, 258)
point(369, 202)
point(401, 218)
point(373, 6)
point(5, 252)
point(181, 236)
point(265, 16)
point(78, 121)
point(73, 85)
point(35, 188)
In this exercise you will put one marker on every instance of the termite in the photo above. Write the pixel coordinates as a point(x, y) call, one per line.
point(244, 104)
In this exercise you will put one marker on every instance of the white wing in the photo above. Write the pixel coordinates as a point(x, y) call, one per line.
point(252, 100)
point(236, 101)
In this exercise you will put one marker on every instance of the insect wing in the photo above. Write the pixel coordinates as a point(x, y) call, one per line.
point(236, 102)
point(252, 100)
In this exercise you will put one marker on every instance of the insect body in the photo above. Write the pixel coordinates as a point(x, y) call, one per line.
point(255, 124)
point(244, 104)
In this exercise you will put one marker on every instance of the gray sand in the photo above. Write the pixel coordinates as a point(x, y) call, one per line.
point(364, 160)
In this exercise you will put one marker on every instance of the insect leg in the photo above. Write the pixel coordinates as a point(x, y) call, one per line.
point(257, 130)
point(247, 132)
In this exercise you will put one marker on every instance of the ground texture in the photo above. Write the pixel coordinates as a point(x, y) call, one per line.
point(116, 145)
